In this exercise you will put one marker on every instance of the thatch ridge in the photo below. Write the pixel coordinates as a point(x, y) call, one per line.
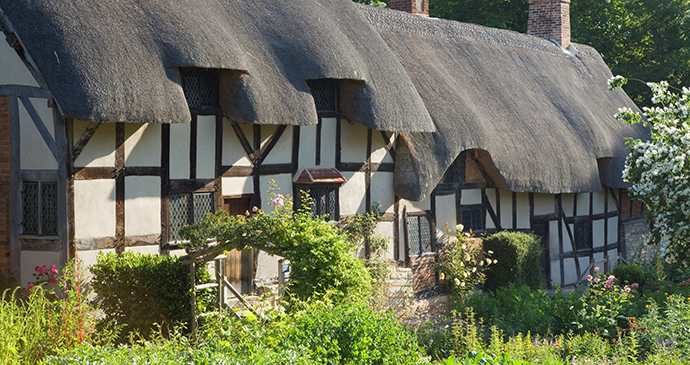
point(543, 114)
point(116, 61)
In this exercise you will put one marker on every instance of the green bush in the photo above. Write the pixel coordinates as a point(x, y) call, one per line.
point(353, 335)
point(518, 257)
point(137, 291)
point(629, 274)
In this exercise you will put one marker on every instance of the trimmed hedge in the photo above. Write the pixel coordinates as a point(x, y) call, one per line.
point(518, 257)
point(138, 291)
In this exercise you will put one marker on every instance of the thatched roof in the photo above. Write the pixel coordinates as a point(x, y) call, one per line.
point(544, 116)
point(110, 61)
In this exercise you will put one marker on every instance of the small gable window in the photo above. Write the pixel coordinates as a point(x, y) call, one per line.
point(200, 87)
point(323, 186)
point(325, 93)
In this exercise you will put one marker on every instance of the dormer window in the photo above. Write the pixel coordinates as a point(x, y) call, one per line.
point(325, 93)
point(200, 87)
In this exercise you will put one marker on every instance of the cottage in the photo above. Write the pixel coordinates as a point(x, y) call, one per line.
point(125, 120)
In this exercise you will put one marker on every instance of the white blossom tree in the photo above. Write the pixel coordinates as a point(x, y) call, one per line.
point(659, 169)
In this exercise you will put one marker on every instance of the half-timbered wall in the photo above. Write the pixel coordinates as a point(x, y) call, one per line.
point(32, 189)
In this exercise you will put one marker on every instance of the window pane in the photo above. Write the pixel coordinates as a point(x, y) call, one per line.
point(413, 234)
point(49, 216)
point(30, 207)
point(582, 235)
point(203, 204)
point(179, 214)
point(325, 200)
point(200, 87)
point(425, 233)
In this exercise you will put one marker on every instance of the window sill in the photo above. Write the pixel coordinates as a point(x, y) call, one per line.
point(38, 237)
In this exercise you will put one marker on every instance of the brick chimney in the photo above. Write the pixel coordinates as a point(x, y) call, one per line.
point(420, 7)
point(550, 19)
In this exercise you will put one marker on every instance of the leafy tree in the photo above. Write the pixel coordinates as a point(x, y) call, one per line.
point(379, 3)
point(502, 14)
point(659, 169)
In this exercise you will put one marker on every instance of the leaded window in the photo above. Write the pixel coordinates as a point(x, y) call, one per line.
point(40, 207)
point(200, 87)
point(323, 199)
point(583, 235)
point(188, 208)
point(325, 93)
point(471, 218)
point(419, 233)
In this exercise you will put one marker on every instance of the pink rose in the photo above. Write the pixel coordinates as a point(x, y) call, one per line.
point(53, 270)
point(589, 277)
point(53, 281)
point(30, 286)
point(596, 269)
point(627, 289)
point(255, 209)
point(634, 285)
point(596, 280)
point(42, 270)
point(670, 285)
point(278, 200)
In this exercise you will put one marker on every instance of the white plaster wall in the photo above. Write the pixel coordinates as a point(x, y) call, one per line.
point(94, 208)
point(283, 181)
point(237, 185)
point(553, 238)
point(267, 265)
point(567, 201)
point(100, 151)
point(353, 139)
point(555, 272)
point(613, 230)
point(471, 196)
point(205, 147)
point(352, 193)
point(382, 190)
point(491, 196)
point(613, 258)
point(179, 150)
point(142, 205)
point(142, 144)
point(328, 127)
point(598, 233)
point(233, 153)
point(583, 204)
point(413, 206)
point(379, 153)
point(567, 243)
point(282, 151)
point(522, 210)
point(387, 230)
point(598, 202)
point(145, 250)
point(612, 201)
point(506, 214)
point(89, 258)
point(570, 271)
point(307, 146)
point(445, 212)
point(30, 259)
point(35, 154)
point(544, 204)
point(13, 70)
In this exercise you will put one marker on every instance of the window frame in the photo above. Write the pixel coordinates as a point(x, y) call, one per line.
point(40, 211)
point(432, 233)
point(173, 230)
point(299, 189)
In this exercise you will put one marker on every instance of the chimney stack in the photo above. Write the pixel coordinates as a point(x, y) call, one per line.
point(420, 7)
point(550, 19)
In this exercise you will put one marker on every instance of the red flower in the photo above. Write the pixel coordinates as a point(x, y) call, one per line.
point(53, 270)
point(53, 281)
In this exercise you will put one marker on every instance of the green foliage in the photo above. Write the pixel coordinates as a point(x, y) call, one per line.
point(518, 256)
point(137, 291)
point(502, 14)
point(46, 318)
point(353, 335)
point(668, 328)
point(520, 310)
point(589, 346)
point(629, 274)
point(378, 3)
point(318, 253)
point(462, 263)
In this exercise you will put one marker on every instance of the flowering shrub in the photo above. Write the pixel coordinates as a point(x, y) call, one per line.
point(462, 262)
point(603, 307)
point(318, 253)
point(659, 169)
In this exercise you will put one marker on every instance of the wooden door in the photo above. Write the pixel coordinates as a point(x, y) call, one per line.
point(239, 265)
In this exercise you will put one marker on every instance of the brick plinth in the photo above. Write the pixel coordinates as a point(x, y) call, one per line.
point(423, 272)
point(411, 6)
point(5, 180)
point(550, 19)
